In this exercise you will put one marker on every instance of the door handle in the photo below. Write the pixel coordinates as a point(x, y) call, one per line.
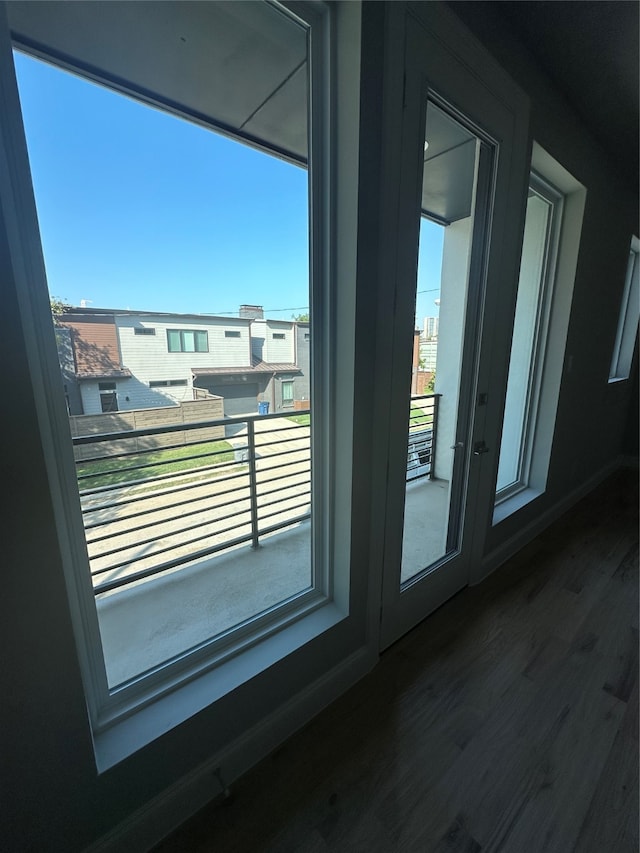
point(479, 448)
point(457, 445)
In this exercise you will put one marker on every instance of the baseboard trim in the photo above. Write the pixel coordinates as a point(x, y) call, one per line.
point(155, 820)
point(515, 543)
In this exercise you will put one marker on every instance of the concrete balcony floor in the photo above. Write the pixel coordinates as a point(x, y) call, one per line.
point(151, 622)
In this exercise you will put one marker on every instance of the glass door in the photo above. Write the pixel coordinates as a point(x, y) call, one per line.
point(446, 214)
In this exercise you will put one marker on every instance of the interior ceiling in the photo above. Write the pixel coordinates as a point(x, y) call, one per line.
point(239, 65)
point(589, 49)
point(242, 67)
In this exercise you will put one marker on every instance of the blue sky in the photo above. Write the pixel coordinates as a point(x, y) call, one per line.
point(141, 210)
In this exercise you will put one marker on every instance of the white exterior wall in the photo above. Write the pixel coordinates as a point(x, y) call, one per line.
point(453, 299)
point(429, 354)
point(279, 351)
point(134, 394)
point(148, 357)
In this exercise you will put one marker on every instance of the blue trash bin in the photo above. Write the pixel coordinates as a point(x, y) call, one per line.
point(263, 408)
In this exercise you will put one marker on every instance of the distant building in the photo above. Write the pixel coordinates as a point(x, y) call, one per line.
point(431, 327)
point(119, 360)
point(428, 354)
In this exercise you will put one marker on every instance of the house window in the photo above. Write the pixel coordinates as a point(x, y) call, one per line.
point(287, 392)
point(628, 320)
point(109, 402)
point(187, 340)
point(528, 347)
point(167, 383)
point(278, 336)
point(229, 334)
point(106, 386)
point(306, 336)
point(144, 330)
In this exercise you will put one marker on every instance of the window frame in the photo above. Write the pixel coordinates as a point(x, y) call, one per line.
point(628, 319)
point(125, 719)
point(232, 333)
point(197, 336)
point(289, 383)
point(144, 331)
point(546, 190)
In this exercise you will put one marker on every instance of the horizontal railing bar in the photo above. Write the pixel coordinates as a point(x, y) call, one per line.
point(172, 491)
point(169, 548)
point(159, 477)
point(295, 485)
point(155, 523)
point(265, 531)
point(287, 453)
point(233, 497)
point(262, 515)
point(144, 465)
point(263, 493)
point(141, 574)
point(260, 445)
point(127, 530)
point(98, 438)
point(176, 532)
point(127, 454)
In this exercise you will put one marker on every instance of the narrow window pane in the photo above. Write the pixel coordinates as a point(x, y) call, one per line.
point(173, 341)
point(628, 320)
point(201, 342)
point(188, 342)
point(528, 346)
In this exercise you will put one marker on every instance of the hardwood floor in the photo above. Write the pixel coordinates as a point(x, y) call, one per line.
point(507, 721)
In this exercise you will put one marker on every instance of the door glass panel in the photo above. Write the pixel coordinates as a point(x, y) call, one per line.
point(434, 480)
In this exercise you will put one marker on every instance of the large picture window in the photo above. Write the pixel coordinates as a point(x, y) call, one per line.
point(179, 533)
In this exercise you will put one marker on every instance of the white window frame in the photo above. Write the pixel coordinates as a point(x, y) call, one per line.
point(289, 384)
point(182, 333)
point(549, 193)
point(556, 359)
point(627, 330)
point(130, 716)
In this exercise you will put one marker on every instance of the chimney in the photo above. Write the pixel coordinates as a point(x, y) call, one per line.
point(251, 312)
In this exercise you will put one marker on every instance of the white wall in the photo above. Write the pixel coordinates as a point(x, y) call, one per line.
point(279, 351)
point(148, 356)
point(456, 253)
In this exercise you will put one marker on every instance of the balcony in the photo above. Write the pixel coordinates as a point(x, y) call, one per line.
point(180, 556)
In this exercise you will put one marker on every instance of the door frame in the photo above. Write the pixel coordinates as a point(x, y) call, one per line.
point(426, 43)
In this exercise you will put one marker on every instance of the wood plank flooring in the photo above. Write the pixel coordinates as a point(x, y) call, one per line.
point(507, 721)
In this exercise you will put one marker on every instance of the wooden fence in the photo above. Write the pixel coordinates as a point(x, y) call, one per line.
point(209, 409)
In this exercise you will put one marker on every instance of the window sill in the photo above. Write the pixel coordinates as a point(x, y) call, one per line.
point(131, 733)
point(514, 503)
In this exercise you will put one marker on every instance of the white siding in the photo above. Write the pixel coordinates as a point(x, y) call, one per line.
point(148, 356)
point(278, 351)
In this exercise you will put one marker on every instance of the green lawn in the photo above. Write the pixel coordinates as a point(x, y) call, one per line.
point(302, 420)
point(417, 418)
point(169, 461)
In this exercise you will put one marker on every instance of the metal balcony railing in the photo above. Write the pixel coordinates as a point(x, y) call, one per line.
point(144, 514)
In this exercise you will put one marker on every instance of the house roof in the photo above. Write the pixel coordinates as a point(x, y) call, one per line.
point(72, 313)
point(107, 373)
point(257, 366)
